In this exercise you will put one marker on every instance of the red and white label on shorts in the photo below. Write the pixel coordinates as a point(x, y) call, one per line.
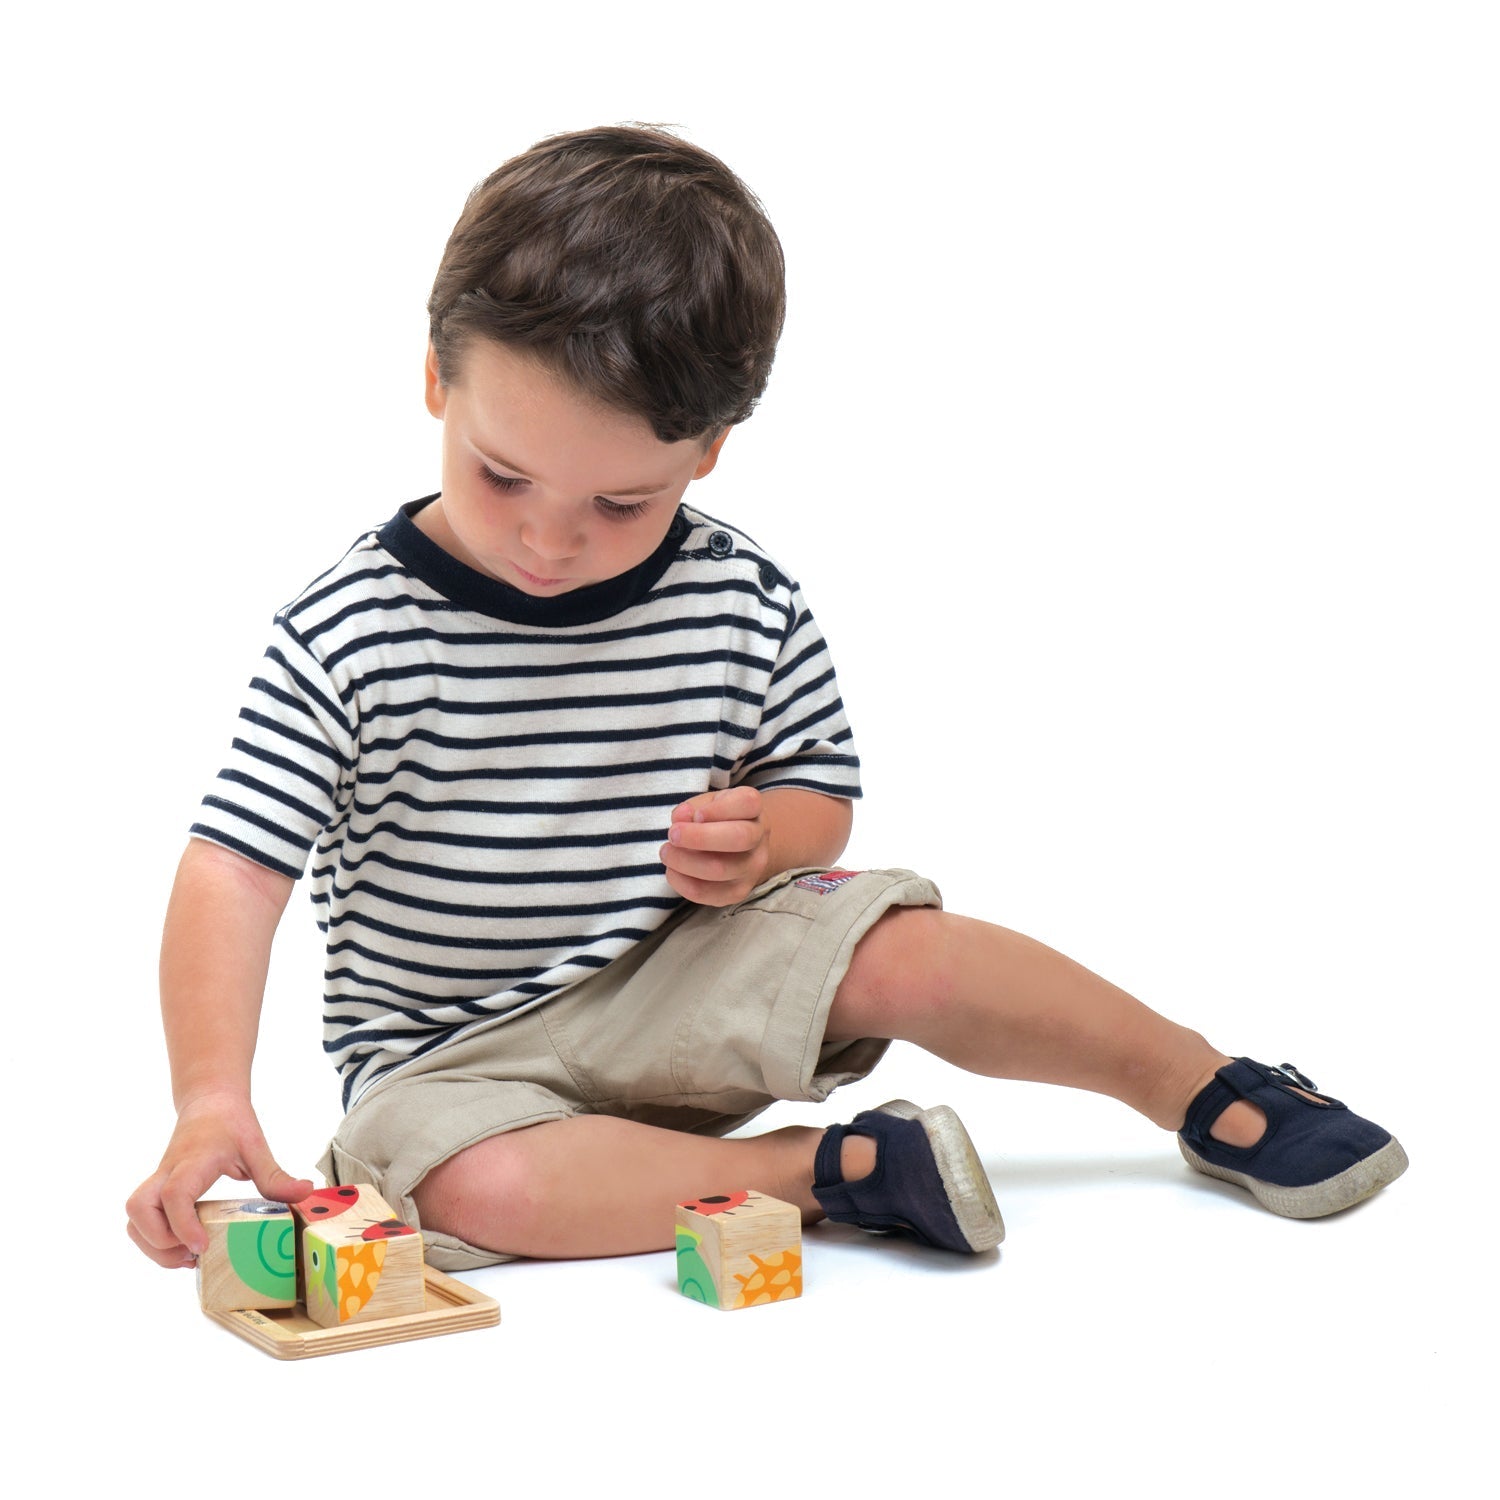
point(829, 880)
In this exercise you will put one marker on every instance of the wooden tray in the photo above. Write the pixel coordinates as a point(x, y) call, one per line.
point(291, 1334)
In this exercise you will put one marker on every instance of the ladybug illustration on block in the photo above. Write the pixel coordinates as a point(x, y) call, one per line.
point(718, 1203)
point(387, 1229)
point(325, 1203)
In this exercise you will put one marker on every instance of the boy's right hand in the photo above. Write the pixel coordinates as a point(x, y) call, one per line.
point(216, 1136)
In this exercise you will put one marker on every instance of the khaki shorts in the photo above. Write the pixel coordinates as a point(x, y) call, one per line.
point(700, 1027)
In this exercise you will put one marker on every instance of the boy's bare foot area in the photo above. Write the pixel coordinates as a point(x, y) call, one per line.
point(1242, 1124)
point(856, 1157)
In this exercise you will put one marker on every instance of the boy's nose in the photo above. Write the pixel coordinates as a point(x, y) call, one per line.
point(551, 536)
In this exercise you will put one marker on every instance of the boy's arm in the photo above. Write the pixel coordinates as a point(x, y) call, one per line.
point(722, 845)
point(215, 952)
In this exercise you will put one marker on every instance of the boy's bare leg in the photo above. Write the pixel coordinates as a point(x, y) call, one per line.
point(592, 1185)
point(998, 1003)
point(983, 997)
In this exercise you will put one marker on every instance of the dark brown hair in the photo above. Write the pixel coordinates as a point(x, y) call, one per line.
point(634, 265)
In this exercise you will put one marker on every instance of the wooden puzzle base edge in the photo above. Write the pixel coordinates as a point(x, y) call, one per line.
point(288, 1333)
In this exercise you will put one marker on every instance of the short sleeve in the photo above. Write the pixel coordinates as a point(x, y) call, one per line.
point(804, 739)
point(289, 765)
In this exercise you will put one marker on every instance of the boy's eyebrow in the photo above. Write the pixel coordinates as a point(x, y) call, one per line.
point(505, 463)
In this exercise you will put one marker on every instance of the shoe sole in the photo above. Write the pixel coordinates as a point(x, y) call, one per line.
point(1331, 1196)
point(969, 1193)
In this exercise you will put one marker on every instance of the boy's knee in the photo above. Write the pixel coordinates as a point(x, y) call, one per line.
point(898, 978)
point(484, 1195)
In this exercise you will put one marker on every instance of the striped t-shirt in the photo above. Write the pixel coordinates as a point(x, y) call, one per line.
point(483, 778)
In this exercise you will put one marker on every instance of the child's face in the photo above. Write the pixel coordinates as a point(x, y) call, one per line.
point(543, 489)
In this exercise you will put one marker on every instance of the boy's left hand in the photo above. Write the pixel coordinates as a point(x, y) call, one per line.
point(718, 847)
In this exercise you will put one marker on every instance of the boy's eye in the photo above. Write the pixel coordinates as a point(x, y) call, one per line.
point(616, 510)
point(619, 512)
point(499, 481)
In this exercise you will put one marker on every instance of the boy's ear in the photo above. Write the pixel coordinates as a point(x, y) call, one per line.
point(437, 395)
point(709, 459)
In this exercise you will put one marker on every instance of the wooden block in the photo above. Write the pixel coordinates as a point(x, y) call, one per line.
point(356, 1260)
point(739, 1250)
point(250, 1260)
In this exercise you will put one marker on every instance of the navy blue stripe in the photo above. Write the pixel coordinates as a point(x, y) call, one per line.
point(282, 763)
point(316, 817)
point(285, 731)
point(485, 841)
point(255, 820)
point(851, 793)
point(509, 978)
point(290, 609)
point(783, 735)
point(544, 809)
point(506, 914)
point(502, 878)
point(581, 666)
point(774, 712)
point(313, 595)
point(422, 1019)
point(810, 652)
point(575, 941)
point(315, 693)
point(478, 1010)
point(634, 768)
point(714, 690)
point(439, 607)
point(557, 737)
point(281, 696)
point(515, 639)
point(218, 836)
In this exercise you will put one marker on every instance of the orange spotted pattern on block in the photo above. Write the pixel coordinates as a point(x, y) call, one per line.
point(774, 1279)
point(359, 1270)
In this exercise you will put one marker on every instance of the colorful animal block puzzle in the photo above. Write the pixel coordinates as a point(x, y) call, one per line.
point(251, 1258)
point(356, 1260)
point(739, 1250)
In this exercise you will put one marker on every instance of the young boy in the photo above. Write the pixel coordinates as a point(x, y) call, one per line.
point(570, 764)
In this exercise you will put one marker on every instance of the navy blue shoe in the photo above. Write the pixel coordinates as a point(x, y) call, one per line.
point(928, 1181)
point(1316, 1156)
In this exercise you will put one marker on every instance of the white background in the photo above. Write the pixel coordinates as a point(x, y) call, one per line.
point(1134, 439)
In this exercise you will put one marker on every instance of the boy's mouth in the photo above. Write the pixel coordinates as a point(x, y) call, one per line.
point(536, 582)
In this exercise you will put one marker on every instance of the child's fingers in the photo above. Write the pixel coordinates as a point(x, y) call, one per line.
point(274, 1183)
point(734, 804)
point(179, 1197)
point(147, 1225)
point(705, 893)
point(163, 1221)
point(721, 838)
point(174, 1258)
point(691, 811)
point(698, 865)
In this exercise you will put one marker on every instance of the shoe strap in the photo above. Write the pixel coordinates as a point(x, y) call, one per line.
point(829, 1187)
point(1244, 1078)
point(1215, 1097)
